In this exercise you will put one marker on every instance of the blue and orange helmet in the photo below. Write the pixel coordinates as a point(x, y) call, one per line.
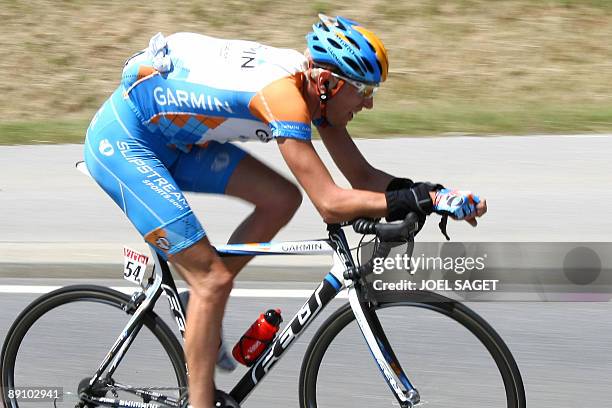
point(357, 53)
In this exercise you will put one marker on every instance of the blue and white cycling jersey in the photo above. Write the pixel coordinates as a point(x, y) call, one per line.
point(166, 128)
point(195, 88)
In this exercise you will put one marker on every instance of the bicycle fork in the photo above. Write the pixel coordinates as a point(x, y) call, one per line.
point(403, 390)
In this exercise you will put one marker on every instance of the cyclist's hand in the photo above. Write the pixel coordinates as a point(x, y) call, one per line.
point(460, 205)
point(481, 209)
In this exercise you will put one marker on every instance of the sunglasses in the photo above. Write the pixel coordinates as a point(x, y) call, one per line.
point(365, 90)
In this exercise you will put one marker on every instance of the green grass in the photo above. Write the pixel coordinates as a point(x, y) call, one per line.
point(382, 122)
point(598, 4)
point(483, 120)
point(457, 66)
point(12, 133)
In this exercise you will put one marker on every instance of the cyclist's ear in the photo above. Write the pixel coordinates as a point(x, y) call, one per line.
point(323, 80)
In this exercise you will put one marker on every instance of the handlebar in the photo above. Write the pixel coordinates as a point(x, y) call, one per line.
point(388, 232)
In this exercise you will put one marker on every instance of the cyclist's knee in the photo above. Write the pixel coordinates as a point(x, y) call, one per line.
point(292, 199)
point(284, 204)
point(204, 271)
point(214, 284)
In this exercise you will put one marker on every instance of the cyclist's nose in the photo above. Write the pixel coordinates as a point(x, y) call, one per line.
point(368, 103)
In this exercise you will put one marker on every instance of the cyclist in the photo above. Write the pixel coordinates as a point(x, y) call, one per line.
point(168, 128)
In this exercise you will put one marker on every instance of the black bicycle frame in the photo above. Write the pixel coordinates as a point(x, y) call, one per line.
point(326, 291)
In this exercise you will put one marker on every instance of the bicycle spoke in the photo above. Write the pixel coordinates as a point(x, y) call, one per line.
point(446, 363)
point(65, 345)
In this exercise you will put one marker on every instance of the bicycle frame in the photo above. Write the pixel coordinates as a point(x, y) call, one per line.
point(332, 284)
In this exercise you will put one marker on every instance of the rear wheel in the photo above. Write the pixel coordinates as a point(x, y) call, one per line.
point(61, 338)
point(450, 354)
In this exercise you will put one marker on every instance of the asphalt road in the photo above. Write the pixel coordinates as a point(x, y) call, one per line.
point(57, 223)
point(563, 351)
point(549, 188)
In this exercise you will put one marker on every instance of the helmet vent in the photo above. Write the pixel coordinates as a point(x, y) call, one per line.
point(372, 47)
point(353, 42)
point(353, 65)
point(367, 64)
point(334, 43)
point(319, 48)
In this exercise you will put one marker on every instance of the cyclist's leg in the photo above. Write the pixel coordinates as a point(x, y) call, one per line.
point(210, 285)
point(131, 165)
point(276, 200)
point(223, 168)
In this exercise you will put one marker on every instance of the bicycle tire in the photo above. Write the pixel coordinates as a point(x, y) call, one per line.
point(82, 293)
point(512, 381)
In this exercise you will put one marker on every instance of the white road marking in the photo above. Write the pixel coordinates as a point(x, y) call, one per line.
point(241, 293)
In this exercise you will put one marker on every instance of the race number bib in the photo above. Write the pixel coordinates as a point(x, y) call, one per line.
point(134, 265)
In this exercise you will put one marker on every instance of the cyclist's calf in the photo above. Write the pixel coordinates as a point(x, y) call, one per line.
point(210, 282)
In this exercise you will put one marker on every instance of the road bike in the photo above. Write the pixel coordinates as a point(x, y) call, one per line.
point(105, 382)
point(472, 366)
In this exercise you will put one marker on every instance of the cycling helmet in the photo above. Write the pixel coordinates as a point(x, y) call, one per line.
point(357, 53)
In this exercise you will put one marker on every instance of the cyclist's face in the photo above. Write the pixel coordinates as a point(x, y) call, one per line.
point(346, 103)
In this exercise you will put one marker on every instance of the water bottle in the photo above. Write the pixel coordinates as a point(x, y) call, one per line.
point(257, 337)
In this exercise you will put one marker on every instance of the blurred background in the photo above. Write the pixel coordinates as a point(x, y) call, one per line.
point(457, 66)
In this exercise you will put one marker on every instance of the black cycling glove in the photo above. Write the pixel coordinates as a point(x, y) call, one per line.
point(404, 196)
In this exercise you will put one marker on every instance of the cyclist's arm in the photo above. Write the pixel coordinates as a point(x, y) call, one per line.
point(335, 204)
point(361, 174)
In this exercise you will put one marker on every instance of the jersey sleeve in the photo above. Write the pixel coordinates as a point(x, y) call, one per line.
point(281, 106)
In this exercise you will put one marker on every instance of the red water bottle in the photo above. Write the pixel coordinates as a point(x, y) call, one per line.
point(257, 337)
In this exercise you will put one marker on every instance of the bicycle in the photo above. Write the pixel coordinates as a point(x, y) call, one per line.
point(103, 389)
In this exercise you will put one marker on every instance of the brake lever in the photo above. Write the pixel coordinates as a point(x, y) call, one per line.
point(442, 225)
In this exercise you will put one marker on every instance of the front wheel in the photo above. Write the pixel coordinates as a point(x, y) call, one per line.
point(450, 354)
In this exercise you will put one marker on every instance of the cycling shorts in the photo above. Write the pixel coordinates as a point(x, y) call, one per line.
point(146, 177)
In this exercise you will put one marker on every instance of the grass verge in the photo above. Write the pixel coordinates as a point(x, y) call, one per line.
point(52, 132)
point(459, 118)
point(485, 120)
